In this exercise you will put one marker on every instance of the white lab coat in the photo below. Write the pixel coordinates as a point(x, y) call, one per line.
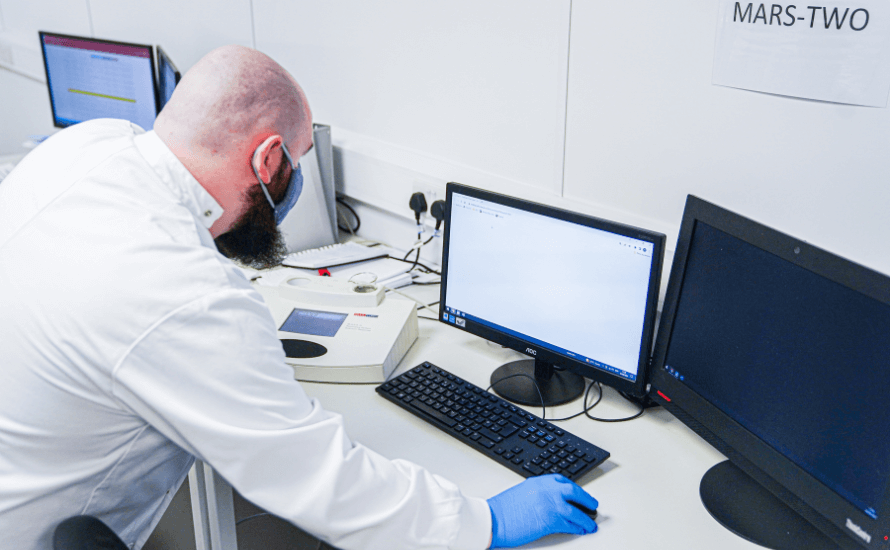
point(129, 345)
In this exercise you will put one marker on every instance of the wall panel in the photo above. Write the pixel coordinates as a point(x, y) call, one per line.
point(185, 29)
point(645, 127)
point(474, 84)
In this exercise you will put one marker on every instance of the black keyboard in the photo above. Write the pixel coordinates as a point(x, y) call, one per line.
point(496, 428)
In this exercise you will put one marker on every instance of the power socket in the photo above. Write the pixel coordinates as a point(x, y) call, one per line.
point(432, 191)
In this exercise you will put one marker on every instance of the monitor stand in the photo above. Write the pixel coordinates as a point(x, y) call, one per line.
point(556, 386)
point(748, 509)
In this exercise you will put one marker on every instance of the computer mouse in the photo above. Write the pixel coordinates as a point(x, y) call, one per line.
point(587, 511)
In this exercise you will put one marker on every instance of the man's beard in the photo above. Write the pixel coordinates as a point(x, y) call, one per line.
point(255, 240)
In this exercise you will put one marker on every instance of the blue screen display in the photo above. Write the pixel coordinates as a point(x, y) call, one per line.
point(315, 323)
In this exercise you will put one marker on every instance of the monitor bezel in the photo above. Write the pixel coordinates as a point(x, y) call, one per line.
point(636, 388)
point(177, 76)
point(52, 103)
point(809, 497)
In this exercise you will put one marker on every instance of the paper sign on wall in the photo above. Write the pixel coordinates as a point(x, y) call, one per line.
point(837, 52)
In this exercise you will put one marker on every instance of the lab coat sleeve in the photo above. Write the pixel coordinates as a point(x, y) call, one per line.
point(211, 377)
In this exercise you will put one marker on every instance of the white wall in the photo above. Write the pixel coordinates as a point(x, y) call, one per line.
point(606, 108)
point(646, 127)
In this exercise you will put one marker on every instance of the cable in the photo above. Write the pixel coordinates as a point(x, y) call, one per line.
point(428, 269)
point(586, 406)
point(416, 259)
point(437, 210)
point(423, 305)
point(242, 520)
point(358, 222)
point(637, 415)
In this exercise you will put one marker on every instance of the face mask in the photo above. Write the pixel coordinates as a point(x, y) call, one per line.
point(294, 187)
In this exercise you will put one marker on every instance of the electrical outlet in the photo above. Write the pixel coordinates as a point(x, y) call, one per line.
point(431, 191)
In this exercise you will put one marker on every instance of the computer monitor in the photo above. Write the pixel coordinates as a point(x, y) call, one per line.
point(89, 78)
point(576, 293)
point(776, 353)
point(168, 77)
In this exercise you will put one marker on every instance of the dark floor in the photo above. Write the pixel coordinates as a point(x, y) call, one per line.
point(176, 529)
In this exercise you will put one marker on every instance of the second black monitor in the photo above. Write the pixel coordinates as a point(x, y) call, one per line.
point(575, 293)
point(168, 77)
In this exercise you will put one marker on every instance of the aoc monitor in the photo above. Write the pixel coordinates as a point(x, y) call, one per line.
point(89, 78)
point(168, 77)
point(576, 293)
point(776, 353)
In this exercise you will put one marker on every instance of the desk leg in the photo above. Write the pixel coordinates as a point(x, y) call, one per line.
point(212, 509)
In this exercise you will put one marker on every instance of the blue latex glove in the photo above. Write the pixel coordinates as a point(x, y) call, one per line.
point(539, 506)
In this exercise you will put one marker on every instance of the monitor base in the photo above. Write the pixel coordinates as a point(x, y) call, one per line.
point(556, 386)
point(749, 510)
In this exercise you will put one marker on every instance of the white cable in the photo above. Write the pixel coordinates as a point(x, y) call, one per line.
point(436, 313)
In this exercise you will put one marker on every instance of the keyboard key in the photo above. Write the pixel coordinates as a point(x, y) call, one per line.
point(533, 468)
point(575, 468)
point(491, 435)
point(509, 430)
point(541, 443)
point(499, 450)
point(433, 412)
point(517, 460)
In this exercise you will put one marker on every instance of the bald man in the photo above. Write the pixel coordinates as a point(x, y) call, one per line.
point(131, 344)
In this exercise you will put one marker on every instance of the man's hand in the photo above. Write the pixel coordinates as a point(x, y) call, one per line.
point(540, 506)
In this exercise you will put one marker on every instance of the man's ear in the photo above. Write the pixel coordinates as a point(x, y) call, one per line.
point(262, 162)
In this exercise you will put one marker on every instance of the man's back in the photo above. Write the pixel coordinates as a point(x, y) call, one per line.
point(87, 237)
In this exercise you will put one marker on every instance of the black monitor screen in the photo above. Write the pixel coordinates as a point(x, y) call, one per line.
point(168, 77)
point(579, 288)
point(776, 352)
point(799, 360)
point(89, 78)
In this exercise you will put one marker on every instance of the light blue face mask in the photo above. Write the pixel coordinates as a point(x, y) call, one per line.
point(294, 187)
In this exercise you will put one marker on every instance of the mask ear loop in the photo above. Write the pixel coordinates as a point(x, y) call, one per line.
point(253, 164)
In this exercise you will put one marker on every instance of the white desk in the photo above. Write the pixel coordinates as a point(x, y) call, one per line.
point(648, 489)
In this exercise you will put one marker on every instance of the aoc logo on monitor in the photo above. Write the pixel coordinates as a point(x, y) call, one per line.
point(858, 530)
point(531, 351)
